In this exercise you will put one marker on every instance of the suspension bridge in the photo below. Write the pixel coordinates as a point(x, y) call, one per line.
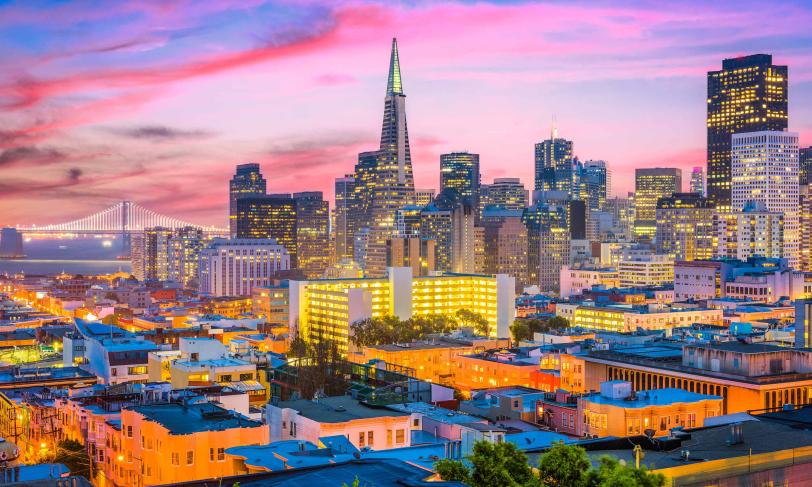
point(124, 217)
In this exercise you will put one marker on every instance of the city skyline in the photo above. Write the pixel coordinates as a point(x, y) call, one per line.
point(127, 111)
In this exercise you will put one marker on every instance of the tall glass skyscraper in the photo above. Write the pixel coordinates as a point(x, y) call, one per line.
point(269, 217)
point(651, 184)
point(698, 181)
point(247, 181)
point(805, 162)
point(460, 171)
point(594, 184)
point(749, 94)
point(554, 169)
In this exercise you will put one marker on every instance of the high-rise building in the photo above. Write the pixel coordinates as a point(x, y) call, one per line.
point(698, 181)
point(234, 267)
point(408, 221)
point(622, 211)
point(185, 245)
point(402, 295)
point(765, 170)
point(748, 94)
point(505, 244)
point(412, 251)
point(554, 165)
point(505, 193)
point(271, 216)
point(595, 184)
point(460, 171)
point(312, 233)
point(345, 205)
point(805, 225)
point(803, 323)
point(685, 226)
point(452, 227)
point(150, 254)
point(424, 196)
point(805, 165)
point(651, 184)
point(754, 231)
point(247, 181)
point(548, 243)
point(392, 175)
point(11, 243)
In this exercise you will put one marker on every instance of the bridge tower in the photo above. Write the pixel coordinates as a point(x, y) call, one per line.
point(126, 234)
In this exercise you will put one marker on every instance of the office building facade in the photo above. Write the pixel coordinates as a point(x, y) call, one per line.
point(247, 181)
point(651, 184)
point(234, 267)
point(685, 226)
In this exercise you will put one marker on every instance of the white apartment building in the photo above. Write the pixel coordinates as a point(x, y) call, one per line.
point(765, 169)
point(233, 267)
point(642, 267)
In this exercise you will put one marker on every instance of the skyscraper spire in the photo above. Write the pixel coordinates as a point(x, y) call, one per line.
point(394, 85)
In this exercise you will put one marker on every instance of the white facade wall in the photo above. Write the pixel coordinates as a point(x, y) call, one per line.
point(234, 267)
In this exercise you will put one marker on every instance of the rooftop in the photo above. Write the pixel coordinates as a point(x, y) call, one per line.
point(437, 413)
point(185, 419)
point(337, 409)
point(653, 397)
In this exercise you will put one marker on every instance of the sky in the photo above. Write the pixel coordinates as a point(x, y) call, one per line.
point(157, 101)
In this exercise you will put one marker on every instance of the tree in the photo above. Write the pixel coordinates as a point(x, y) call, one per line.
point(613, 473)
point(520, 331)
point(557, 323)
point(564, 466)
point(493, 464)
point(468, 318)
point(453, 471)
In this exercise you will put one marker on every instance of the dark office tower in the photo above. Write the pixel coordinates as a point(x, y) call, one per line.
point(554, 169)
point(805, 161)
point(576, 218)
point(11, 243)
point(594, 183)
point(749, 94)
point(312, 233)
point(247, 181)
point(651, 184)
point(345, 205)
point(548, 243)
point(460, 170)
point(392, 181)
point(271, 216)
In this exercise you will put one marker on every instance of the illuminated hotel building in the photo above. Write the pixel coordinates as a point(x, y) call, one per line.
point(460, 170)
point(554, 167)
point(651, 184)
point(324, 309)
point(234, 267)
point(749, 94)
point(685, 226)
point(271, 216)
point(765, 170)
point(247, 181)
point(312, 233)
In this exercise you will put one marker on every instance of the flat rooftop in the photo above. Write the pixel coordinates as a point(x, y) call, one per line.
point(337, 409)
point(653, 397)
point(182, 419)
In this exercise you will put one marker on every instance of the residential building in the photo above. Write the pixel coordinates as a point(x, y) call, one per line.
point(271, 303)
point(112, 354)
point(575, 280)
point(327, 307)
point(340, 416)
point(618, 410)
point(496, 368)
point(247, 181)
point(506, 193)
point(651, 184)
point(630, 318)
point(765, 170)
point(504, 404)
point(685, 226)
point(168, 443)
point(805, 225)
point(185, 245)
point(748, 94)
point(752, 232)
point(150, 254)
point(234, 267)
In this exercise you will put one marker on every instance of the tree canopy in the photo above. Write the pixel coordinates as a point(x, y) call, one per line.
point(386, 330)
point(562, 465)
